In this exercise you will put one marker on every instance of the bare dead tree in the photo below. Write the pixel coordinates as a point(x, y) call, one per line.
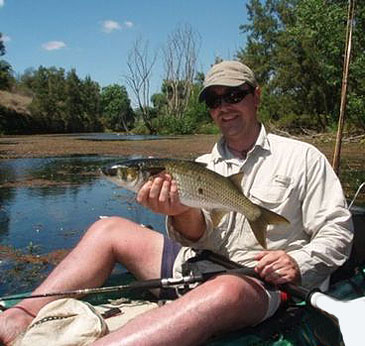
point(140, 66)
point(180, 57)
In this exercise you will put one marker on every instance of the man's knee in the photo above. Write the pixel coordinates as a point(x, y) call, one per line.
point(109, 226)
point(230, 289)
point(241, 299)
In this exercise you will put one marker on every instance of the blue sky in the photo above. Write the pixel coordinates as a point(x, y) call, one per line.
point(95, 36)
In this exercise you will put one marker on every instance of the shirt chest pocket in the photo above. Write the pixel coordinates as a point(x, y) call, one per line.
point(274, 194)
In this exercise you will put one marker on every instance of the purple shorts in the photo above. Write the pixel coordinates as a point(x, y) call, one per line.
point(169, 253)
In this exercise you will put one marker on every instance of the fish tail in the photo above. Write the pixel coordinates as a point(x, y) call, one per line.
point(259, 226)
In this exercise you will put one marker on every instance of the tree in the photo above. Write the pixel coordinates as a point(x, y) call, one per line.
point(6, 75)
point(25, 81)
point(2, 46)
point(180, 57)
point(73, 103)
point(6, 71)
point(296, 49)
point(90, 96)
point(140, 66)
point(63, 102)
point(116, 110)
point(195, 116)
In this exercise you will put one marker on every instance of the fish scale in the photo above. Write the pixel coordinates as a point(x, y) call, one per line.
point(204, 192)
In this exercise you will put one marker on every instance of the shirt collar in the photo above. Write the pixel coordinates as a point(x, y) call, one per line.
point(221, 152)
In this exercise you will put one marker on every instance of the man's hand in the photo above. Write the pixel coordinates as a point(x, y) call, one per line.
point(277, 267)
point(161, 196)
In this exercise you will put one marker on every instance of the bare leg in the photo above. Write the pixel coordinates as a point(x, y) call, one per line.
point(225, 303)
point(89, 264)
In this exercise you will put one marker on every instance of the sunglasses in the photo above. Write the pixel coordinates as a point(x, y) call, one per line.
point(234, 95)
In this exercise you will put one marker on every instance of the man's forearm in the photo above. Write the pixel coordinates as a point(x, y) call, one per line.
point(190, 224)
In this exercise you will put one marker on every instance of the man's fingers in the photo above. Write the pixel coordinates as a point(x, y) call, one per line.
point(174, 195)
point(165, 192)
point(156, 188)
point(266, 258)
point(144, 192)
point(277, 267)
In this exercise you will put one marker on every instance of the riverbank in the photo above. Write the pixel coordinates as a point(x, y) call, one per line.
point(60, 145)
point(31, 146)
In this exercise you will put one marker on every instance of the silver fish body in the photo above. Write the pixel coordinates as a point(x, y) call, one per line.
point(198, 187)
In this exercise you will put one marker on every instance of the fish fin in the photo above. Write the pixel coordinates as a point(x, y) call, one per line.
point(217, 215)
point(259, 226)
point(236, 179)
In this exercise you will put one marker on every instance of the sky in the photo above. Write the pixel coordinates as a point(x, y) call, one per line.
point(96, 36)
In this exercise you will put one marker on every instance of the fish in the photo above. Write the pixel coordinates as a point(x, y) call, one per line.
point(198, 187)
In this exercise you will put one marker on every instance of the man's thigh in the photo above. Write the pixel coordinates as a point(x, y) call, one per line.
point(136, 247)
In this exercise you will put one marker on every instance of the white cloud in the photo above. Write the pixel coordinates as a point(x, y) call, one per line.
point(128, 24)
point(2, 3)
point(53, 45)
point(110, 25)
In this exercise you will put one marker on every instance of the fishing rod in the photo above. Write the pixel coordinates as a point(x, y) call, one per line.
point(144, 284)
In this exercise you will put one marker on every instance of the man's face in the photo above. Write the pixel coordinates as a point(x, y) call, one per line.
point(234, 119)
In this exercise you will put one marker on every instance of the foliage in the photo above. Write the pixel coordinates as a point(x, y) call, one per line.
point(12, 122)
point(188, 122)
point(296, 49)
point(2, 46)
point(116, 111)
point(6, 71)
point(6, 75)
point(62, 102)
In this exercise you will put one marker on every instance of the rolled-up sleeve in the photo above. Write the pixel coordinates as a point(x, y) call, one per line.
point(326, 220)
point(203, 242)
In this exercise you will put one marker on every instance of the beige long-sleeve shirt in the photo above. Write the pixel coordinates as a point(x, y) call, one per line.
point(295, 180)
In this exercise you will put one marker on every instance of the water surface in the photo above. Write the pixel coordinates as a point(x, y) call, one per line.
point(47, 204)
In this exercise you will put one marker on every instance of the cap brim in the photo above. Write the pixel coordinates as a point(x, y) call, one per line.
point(221, 83)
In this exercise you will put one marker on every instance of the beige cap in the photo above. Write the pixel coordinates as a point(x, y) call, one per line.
point(228, 73)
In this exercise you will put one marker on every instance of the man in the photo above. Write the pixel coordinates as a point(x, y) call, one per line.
point(289, 177)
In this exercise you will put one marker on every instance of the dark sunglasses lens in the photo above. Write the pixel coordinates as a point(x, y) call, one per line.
point(213, 101)
point(234, 96)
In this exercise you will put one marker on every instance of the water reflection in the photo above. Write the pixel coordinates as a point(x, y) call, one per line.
point(53, 213)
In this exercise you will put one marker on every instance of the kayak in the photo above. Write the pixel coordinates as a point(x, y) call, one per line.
point(296, 323)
